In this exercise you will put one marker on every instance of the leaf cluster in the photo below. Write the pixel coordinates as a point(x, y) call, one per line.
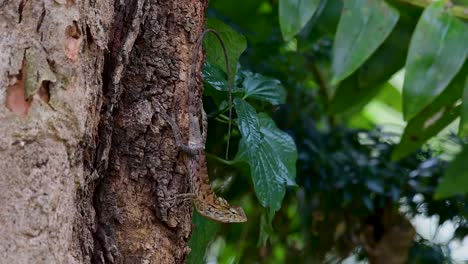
point(314, 82)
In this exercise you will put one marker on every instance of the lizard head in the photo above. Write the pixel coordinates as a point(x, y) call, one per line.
point(236, 215)
point(221, 211)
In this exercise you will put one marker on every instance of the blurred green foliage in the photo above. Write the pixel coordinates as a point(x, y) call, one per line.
point(314, 181)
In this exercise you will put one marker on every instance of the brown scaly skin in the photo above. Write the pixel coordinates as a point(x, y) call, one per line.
point(206, 201)
point(204, 198)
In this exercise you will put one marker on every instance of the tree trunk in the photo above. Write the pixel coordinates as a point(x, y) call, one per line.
point(87, 164)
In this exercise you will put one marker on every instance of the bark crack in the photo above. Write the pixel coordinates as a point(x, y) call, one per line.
point(41, 19)
point(21, 6)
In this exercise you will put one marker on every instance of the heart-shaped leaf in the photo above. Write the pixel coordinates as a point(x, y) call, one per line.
point(215, 76)
point(234, 42)
point(263, 88)
point(270, 153)
point(248, 122)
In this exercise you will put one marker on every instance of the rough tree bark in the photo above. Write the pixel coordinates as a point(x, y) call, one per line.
point(86, 162)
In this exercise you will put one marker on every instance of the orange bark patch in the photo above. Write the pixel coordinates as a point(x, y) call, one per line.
point(15, 96)
point(72, 41)
point(71, 3)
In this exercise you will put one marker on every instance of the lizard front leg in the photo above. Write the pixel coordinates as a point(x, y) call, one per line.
point(193, 147)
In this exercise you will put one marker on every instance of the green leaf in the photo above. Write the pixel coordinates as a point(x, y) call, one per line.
point(283, 145)
point(270, 192)
point(263, 88)
point(463, 128)
point(351, 95)
point(216, 85)
point(455, 180)
point(254, 85)
point(390, 96)
point(294, 14)
point(266, 230)
point(235, 44)
point(215, 76)
point(433, 118)
point(248, 122)
point(422, 127)
point(363, 27)
point(204, 232)
point(437, 51)
point(272, 159)
point(366, 82)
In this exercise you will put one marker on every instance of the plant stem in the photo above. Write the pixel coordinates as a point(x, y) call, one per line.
point(211, 156)
point(460, 11)
point(456, 10)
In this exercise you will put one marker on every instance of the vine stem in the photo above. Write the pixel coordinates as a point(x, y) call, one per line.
point(456, 10)
point(211, 156)
point(228, 72)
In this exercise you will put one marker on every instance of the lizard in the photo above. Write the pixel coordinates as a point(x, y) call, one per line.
point(205, 200)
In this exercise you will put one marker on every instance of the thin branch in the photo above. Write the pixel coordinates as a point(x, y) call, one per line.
point(456, 10)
